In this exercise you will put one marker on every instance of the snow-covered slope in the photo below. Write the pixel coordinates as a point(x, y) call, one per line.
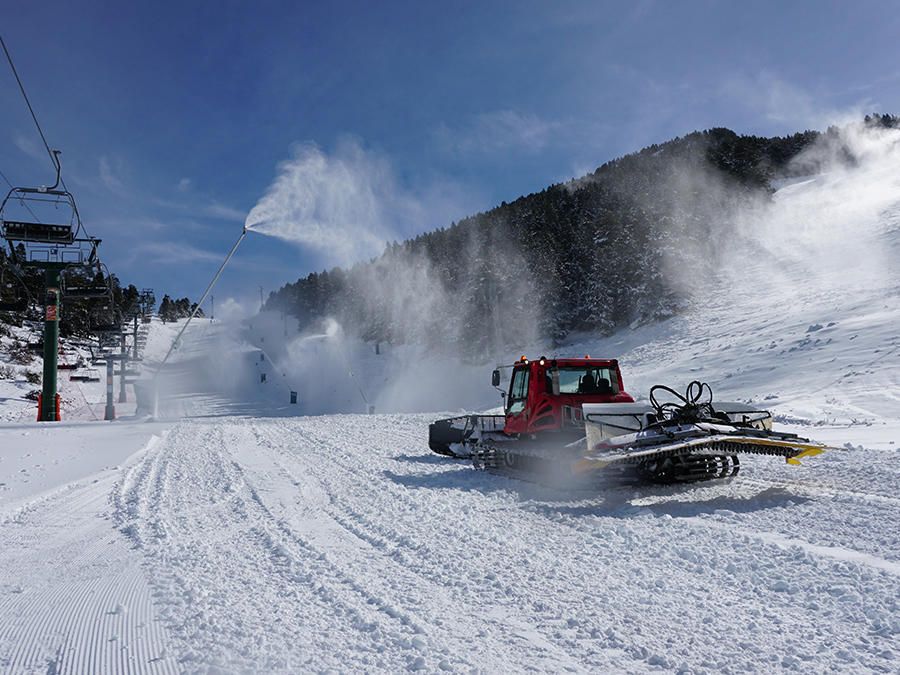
point(248, 538)
point(338, 542)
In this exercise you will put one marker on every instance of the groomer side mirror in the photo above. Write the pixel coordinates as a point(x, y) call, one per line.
point(495, 378)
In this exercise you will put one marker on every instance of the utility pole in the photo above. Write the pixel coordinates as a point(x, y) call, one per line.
point(212, 311)
point(260, 298)
point(134, 337)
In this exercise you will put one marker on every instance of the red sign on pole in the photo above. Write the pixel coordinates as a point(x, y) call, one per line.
point(51, 313)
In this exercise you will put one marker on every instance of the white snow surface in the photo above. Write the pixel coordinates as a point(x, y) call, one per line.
point(234, 535)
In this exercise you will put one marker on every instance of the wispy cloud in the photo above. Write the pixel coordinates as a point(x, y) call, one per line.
point(223, 212)
point(29, 147)
point(787, 104)
point(110, 176)
point(135, 223)
point(213, 209)
point(174, 253)
point(497, 131)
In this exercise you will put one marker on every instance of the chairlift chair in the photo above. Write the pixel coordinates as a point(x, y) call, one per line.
point(107, 323)
point(113, 329)
point(46, 244)
point(109, 335)
point(99, 287)
point(85, 375)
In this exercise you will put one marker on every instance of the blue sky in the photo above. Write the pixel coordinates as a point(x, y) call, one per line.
point(173, 116)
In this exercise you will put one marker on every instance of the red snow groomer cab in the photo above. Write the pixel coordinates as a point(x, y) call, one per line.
point(570, 417)
point(545, 396)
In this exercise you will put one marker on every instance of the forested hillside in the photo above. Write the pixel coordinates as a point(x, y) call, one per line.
point(622, 244)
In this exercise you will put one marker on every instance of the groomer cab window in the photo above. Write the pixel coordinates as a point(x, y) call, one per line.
point(598, 380)
point(518, 391)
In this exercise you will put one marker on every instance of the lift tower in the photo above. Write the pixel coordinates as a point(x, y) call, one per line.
point(52, 248)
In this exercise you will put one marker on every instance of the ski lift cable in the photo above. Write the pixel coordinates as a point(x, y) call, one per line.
point(28, 102)
point(52, 154)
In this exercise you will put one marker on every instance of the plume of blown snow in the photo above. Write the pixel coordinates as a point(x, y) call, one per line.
point(343, 206)
point(831, 219)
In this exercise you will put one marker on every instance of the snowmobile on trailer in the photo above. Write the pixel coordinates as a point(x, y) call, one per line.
point(571, 419)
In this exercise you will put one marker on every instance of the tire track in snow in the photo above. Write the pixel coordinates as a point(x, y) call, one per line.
point(498, 596)
point(486, 592)
point(433, 566)
point(834, 552)
point(278, 545)
point(208, 488)
point(663, 551)
point(816, 534)
point(832, 519)
point(407, 579)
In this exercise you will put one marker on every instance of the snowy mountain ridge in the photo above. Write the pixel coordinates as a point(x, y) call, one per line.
point(631, 242)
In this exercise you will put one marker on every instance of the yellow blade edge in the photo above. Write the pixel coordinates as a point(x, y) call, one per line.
point(589, 464)
point(809, 452)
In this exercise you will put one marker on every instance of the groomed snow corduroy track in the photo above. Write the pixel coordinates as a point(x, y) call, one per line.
point(335, 542)
point(74, 596)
